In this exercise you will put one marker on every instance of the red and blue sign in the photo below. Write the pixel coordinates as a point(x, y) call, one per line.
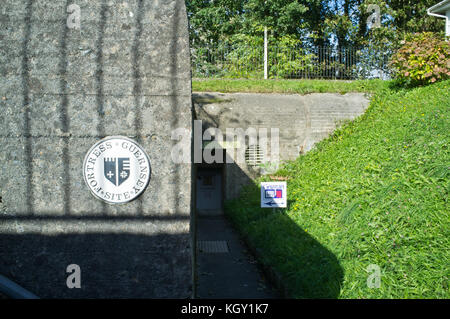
point(273, 194)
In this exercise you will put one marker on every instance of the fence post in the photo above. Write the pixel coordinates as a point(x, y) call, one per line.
point(265, 54)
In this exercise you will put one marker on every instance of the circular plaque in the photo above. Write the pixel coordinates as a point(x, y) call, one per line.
point(116, 169)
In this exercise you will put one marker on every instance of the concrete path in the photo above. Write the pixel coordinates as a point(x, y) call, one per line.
point(232, 274)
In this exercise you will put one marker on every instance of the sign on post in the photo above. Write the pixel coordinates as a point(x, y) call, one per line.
point(273, 194)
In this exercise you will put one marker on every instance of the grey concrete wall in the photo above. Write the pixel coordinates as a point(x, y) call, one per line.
point(302, 120)
point(125, 72)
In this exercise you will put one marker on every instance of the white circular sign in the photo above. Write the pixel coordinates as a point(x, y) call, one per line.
point(116, 169)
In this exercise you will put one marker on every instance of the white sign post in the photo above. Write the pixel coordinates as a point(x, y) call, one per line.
point(273, 194)
point(265, 55)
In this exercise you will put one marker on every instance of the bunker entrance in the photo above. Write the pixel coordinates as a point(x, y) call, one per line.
point(209, 190)
point(210, 185)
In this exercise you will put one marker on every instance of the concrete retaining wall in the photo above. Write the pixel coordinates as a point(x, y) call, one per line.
point(126, 71)
point(302, 120)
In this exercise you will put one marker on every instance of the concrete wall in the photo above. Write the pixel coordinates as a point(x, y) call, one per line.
point(124, 72)
point(302, 121)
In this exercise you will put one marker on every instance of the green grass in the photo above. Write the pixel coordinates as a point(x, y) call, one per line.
point(286, 86)
point(375, 192)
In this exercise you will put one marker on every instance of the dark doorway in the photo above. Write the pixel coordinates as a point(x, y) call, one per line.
point(209, 191)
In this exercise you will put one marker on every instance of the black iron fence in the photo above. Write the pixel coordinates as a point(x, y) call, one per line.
point(290, 63)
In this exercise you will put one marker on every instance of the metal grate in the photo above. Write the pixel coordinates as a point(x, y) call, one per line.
point(254, 155)
point(212, 246)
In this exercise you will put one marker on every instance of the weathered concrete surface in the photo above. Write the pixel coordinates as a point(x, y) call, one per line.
point(125, 72)
point(302, 120)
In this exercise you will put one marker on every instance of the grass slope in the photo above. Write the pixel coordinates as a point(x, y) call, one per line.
point(286, 86)
point(375, 192)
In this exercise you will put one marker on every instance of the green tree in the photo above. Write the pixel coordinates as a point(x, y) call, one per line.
point(214, 21)
point(281, 17)
point(411, 16)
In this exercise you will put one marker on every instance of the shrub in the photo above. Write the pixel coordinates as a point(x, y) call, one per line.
point(287, 58)
point(423, 58)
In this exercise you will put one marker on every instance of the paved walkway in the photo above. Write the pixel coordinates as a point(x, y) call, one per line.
point(232, 274)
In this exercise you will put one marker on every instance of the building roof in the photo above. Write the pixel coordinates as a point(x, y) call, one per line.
point(440, 8)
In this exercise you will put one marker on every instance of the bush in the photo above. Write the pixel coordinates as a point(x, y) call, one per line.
point(244, 57)
point(423, 58)
point(287, 58)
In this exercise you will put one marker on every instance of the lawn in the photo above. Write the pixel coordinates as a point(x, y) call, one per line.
point(374, 194)
point(286, 86)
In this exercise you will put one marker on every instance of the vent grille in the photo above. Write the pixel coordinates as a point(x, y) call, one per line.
point(254, 155)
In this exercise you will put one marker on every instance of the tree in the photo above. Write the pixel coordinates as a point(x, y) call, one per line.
point(281, 17)
point(213, 21)
point(411, 16)
point(335, 22)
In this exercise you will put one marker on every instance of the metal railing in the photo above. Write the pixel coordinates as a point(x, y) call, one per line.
point(290, 63)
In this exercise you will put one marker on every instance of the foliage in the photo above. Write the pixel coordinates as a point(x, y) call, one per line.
point(424, 58)
point(321, 22)
point(214, 21)
point(412, 17)
point(288, 57)
point(375, 192)
point(230, 33)
point(243, 57)
point(281, 17)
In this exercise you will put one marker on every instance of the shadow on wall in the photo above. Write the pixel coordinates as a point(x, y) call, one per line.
point(138, 94)
point(297, 263)
point(113, 265)
point(234, 177)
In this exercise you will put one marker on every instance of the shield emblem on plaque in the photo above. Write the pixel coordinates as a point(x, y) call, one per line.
point(116, 169)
